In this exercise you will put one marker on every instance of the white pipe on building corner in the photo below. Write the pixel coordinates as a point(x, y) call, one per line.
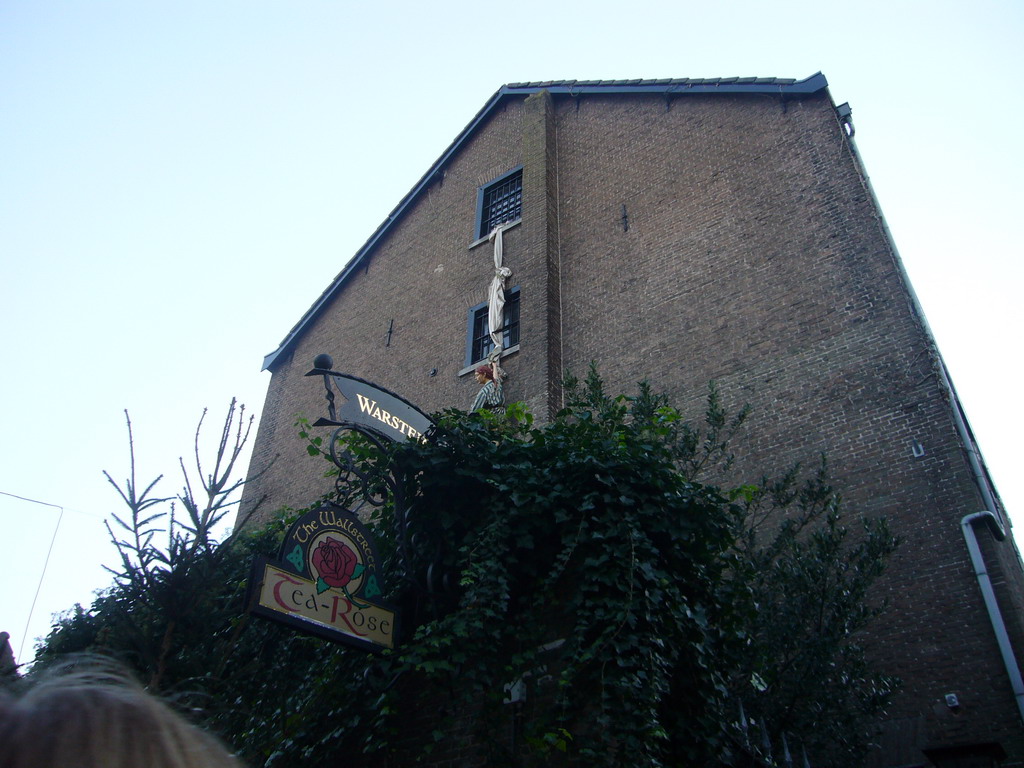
point(989, 596)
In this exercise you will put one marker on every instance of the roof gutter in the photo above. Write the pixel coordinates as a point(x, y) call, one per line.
point(981, 476)
point(993, 518)
point(669, 88)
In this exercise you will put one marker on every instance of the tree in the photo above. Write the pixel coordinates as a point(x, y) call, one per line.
point(160, 594)
point(582, 561)
point(801, 667)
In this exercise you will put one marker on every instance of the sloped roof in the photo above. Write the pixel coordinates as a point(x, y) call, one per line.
point(669, 87)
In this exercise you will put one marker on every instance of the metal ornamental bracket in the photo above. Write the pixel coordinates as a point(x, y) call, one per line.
point(368, 405)
point(326, 580)
point(379, 415)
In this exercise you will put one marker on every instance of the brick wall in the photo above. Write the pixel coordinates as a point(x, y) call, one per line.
point(713, 237)
point(754, 257)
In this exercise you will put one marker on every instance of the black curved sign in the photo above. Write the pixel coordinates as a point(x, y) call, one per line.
point(371, 406)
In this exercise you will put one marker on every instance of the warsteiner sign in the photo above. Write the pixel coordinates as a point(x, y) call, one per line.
point(326, 581)
point(372, 407)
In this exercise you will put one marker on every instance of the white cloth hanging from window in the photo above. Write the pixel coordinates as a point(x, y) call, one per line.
point(496, 295)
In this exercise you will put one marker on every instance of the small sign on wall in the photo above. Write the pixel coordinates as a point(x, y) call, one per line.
point(326, 581)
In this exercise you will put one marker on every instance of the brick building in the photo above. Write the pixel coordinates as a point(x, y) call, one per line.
point(682, 231)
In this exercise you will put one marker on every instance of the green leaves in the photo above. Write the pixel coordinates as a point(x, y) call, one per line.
point(804, 588)
point(582, 531)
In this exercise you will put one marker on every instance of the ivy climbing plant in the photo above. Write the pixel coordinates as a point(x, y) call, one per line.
point(588, 571)
point(579, 595)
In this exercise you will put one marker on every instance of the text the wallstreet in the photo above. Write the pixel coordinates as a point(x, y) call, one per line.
point(328, 521)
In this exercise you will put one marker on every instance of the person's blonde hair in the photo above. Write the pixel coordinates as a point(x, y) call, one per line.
point(98, 718)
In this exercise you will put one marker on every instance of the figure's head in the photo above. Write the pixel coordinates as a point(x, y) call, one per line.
point(99, 718)
point(484, 374)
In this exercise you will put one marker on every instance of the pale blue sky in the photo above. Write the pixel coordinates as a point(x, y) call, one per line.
point(180, 180)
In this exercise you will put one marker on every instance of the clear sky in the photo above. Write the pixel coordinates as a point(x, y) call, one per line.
point(180, 180)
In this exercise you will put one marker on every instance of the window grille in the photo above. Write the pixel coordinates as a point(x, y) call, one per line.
point(500, 202)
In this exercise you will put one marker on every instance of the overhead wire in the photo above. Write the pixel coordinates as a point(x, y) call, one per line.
point(46, 562)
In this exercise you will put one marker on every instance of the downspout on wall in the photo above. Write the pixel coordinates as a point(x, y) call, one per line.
point(993, 515)
point(989, 596)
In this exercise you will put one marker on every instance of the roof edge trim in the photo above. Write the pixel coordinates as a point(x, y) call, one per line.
point(681, 87)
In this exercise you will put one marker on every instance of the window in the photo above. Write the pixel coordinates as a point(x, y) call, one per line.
point(478, 343)
point(499, 202)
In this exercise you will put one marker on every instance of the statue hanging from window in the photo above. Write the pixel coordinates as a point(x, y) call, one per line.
point(490, 397)
point(489, 376)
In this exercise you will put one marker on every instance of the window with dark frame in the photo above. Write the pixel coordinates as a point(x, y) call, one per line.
point(479, 343)
point(499, 202)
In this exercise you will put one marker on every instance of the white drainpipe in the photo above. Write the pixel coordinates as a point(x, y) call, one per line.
point(989, 596)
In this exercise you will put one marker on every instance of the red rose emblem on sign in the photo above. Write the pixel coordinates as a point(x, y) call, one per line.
point(335, 562)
